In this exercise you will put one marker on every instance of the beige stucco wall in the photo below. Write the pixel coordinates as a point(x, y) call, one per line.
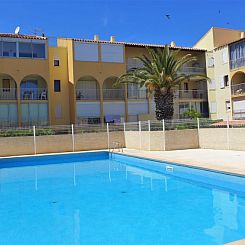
point(181, 139)
point(58, 143)
point(222, 94)
point(16, 145)
point(213, 138)
point(154, 141)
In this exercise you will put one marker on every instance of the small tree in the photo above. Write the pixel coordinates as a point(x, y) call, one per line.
point(191, 113)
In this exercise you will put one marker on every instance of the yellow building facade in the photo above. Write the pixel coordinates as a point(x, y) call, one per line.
point(225, 67)
point(74, 82)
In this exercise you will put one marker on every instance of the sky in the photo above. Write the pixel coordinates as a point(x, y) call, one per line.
point(142, 21)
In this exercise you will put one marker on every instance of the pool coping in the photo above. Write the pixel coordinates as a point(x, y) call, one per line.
point(189, 165)
point(131, 154)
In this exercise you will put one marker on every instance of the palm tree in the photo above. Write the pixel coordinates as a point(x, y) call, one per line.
point(160, 74)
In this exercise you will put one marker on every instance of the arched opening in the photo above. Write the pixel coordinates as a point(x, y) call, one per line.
point(34, 101)
point(8, 110)
point(7, 87)
point(238, 83)
point(110, 92)
point(87, 88)
point(33, 87)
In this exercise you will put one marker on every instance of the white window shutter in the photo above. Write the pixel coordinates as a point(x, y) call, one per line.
point(225, 57)
point(222, 82)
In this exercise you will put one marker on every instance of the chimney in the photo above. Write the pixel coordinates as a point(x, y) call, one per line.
point(96, 37)
point(113, 39)
point(173, 44)
point(242, 34)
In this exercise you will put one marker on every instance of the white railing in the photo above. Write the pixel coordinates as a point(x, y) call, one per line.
point(87, 94)
point(237, 63)
point(191, 94)
point(239, 114)
point(33, 94)
point(237, 89)
point(114, 94)
point(137, 94)
point(8, 94)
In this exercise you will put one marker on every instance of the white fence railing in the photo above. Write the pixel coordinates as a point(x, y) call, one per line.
point(40, 139)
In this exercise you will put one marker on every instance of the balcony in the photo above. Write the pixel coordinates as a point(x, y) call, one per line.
point(87, 94)
point(33, 94)
point(8, 94)
point(238, 89)
point(113, 94)
point(192, 70)
point(134, 94)
point(239, 114)
point(191, 94)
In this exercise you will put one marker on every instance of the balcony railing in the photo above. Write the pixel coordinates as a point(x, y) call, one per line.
point(192, 70)
point(114, 94)
point(33, 94)
point(239, 114)
point(87, 94)
point(237, 63)
point(191, 94)
point(137, 94)
point(8, 94)
point(238, 89)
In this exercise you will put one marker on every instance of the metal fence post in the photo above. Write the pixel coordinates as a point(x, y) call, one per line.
point(164, 139)
point(198, 131)
point(140, 133)
point(108, 136)
point(73, 137)
point(34, 140)
point(227, 134)
point(149, 130)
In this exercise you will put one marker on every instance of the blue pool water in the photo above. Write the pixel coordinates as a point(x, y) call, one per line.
point(89, 198)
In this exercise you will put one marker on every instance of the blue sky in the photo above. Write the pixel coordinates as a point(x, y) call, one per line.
point(129, 20)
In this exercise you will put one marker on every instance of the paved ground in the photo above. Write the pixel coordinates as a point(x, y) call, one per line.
point(222, 160)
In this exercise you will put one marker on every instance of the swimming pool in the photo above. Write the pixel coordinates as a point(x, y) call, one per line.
point(98, 198)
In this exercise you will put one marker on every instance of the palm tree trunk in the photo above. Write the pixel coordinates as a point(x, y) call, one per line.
point(164, 104)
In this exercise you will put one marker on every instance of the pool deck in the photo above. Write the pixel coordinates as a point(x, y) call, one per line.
point(219, 160)
point(241, 242)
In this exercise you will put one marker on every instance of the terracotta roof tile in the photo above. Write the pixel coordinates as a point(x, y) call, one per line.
point(22, 36)
point(135, 44)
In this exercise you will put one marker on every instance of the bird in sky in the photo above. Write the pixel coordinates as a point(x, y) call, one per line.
point(167, 16)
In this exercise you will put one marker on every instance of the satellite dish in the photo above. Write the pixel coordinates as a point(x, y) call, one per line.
point(17, 30)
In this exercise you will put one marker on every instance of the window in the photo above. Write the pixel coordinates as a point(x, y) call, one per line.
point(56, 85)
point(9, 49)
point(226, 80)
point(56, 62)
point(86, 51)
point(25, 50)
point(112, 53)
point(186, 86)
point(228, 105)
point(6, 85)
point(31, 50)
point(38, 50)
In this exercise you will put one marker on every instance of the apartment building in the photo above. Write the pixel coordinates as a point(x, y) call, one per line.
point(73, 82)
point(224, 61)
